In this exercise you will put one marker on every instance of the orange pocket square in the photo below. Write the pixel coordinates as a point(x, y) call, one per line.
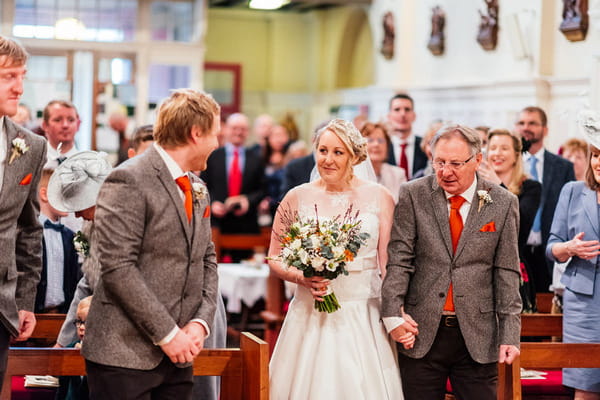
point(26, 180)
point(206, 212)
point(489, 227)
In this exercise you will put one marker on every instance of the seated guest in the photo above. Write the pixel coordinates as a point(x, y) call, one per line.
point(504, 166)
point(378, 144)
point(60, 266)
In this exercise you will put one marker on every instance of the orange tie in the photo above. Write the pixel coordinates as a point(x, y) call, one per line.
point(456, 227)
point(186, 187)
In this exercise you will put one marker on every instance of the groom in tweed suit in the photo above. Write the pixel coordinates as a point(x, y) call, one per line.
point(20, 231)
point(155, 302)
point(453, 285)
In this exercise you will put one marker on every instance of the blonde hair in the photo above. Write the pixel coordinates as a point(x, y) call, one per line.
point(84, 305)
point(181, 111)
point(518, 174)
point(12, 53)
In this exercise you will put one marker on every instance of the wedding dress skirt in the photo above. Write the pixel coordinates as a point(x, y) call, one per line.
point(343, 355)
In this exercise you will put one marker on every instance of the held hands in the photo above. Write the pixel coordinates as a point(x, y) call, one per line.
point(406, 333)
point(26, 325)
point(585, 249)
point(316, 284)
point(508, 353)
point(182, 348)
point(197, 332)
point(238, 205)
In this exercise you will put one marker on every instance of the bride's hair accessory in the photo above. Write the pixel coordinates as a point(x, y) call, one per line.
point(347, 132)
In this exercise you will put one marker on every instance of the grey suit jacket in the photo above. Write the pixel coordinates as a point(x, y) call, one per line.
point(20, 230)
point(157, 270)
point(484, 271)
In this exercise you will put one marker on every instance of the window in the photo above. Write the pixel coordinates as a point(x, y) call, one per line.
point(172, 20)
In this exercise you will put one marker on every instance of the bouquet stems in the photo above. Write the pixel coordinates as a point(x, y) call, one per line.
point(329, 304)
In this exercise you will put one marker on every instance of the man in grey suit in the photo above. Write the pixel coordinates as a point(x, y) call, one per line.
point(22, 156)
point(154, 305)
point(459, 283)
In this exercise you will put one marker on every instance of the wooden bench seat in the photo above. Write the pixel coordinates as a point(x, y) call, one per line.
point(244, 371)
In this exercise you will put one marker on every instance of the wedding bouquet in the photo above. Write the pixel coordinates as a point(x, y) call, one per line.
point(321, 248)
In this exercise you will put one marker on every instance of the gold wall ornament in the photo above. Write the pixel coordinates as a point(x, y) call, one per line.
point(436, 40)
point(574, 24)
point(387, 45)
point(488, 27)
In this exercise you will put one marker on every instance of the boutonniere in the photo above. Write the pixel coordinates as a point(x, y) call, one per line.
point(19, 147)
point(484, 198)
point(199, 190)
point(81, 244)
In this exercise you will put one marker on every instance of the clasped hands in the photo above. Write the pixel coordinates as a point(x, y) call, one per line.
point(187, 343)
point(584, 249)
point(406, 334)
point(238, 205)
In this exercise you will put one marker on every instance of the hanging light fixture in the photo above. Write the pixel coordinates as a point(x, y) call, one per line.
point(267, 4)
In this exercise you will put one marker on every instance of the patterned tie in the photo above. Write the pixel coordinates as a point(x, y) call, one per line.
point(235, 175)
point(456, 227)
point(537, 222)
point(403, 159)
point(186, 187)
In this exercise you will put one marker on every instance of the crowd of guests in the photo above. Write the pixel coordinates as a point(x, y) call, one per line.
point(555, 206)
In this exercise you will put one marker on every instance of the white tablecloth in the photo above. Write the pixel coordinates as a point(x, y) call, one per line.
point(242, 283)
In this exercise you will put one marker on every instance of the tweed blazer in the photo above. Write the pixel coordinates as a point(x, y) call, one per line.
point(577, 211)
point(20, 230)
point(157, 270)
point(484, 271)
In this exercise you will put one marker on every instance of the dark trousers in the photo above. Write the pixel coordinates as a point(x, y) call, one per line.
point(4, 344)
point(425, 378)
point(540, 267)
point(166, 381)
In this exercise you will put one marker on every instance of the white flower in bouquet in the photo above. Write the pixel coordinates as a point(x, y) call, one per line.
point(318, 263)
point(304, 257)
point(296, 245)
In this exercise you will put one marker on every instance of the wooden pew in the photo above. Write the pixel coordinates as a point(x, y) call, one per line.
point(240, 241)
point(244, 371)
point(541, 325)
point(48, 326)
point(549, 355)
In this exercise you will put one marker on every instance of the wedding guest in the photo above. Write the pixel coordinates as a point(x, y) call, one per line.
point(23, 116)
point(504, 167)
point(155, 302)
point(274, 160)
point(142, 138)
point(378, 143)
point(22, 157)
point(574, 235)
point(483, 135)
point(60, 122)
point(576, 151)
point(352, 335)
point(426, 147)
point(60, 268)
point(453, 266)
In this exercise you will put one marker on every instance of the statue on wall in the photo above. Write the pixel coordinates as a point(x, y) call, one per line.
point(575, 19)
point(436, 40)
point(387, 45)
point(488, 27)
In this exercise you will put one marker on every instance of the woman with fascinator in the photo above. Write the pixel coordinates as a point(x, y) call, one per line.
point(504, 166)
point(574, 237)
point(345, 354)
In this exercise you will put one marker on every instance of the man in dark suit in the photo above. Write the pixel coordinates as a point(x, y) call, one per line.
point(406, 147)
point(235, 177)
point(22, 156)
point(155, 302)
point(553, 172)
point(460, 282)
point(297, 172)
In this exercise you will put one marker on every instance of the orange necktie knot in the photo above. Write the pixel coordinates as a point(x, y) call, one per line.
point(186, 187)
point(456, 202)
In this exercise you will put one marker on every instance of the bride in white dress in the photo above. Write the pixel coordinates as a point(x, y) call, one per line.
point(346, 354)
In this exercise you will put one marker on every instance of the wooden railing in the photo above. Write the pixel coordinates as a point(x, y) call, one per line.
point(244, 371)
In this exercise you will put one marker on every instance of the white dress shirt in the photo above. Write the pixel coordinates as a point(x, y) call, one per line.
point(55, 265)
point(53, 155)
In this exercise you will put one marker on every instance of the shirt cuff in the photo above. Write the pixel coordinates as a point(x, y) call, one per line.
point(392, 323)
point(204, 324)
point(169, 337)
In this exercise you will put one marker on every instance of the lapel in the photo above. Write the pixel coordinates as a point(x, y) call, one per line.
point(475, 219)
point(439, 204)
point(547, 174)
point(164, 176)
point(590, 205)
point(247, 165)
point(16, 171)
